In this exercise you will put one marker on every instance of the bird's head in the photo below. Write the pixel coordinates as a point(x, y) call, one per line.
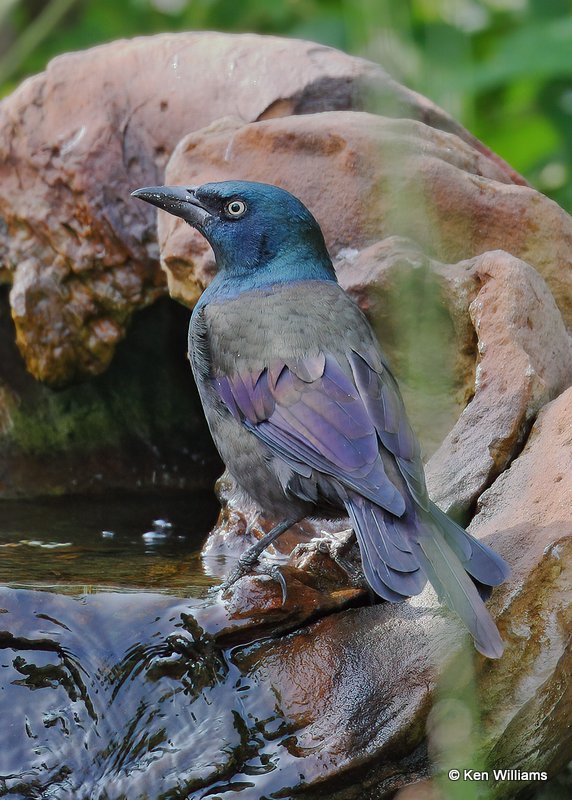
point(259, 233)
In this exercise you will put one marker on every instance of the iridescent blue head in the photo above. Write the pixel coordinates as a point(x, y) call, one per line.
point(260, 234)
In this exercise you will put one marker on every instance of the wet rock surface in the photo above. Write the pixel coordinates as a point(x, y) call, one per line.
point(113, 695)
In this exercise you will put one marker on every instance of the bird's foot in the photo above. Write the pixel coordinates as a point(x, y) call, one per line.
point(272, 570)
point(336, 546)
point(251, 556)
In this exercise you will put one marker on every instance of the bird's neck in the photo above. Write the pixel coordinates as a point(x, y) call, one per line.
point(231, 280)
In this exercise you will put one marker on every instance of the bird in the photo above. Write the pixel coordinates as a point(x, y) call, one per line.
point(303, 407)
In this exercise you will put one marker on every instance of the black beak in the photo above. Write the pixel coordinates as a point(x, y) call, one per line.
point(177, 200)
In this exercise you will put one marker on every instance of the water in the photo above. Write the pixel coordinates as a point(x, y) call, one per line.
point(104, 692)
point(114, 683)
point(123, 541)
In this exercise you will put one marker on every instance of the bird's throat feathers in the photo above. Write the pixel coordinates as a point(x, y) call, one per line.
point(237, 277)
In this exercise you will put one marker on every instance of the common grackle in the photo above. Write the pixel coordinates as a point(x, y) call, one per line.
point(302, 405)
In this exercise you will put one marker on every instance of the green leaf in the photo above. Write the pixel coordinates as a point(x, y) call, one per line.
point(537, 50)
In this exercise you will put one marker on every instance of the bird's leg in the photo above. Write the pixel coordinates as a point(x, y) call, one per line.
point(250, 557)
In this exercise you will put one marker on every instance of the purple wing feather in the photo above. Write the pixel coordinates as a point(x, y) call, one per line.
point(382, 399)
point(310, 410)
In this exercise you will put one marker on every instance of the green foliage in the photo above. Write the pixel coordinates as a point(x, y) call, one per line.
point(502, 67)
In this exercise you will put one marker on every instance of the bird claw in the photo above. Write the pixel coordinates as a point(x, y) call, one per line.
point(335, 546)
point(275, 573)
point(244, 567)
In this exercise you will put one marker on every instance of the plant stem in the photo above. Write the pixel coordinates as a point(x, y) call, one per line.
point(35, 33)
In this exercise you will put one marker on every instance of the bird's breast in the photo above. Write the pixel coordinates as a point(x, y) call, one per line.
point(282, 323)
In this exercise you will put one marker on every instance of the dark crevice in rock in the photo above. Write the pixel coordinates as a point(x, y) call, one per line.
point(137, 426)
point(464, 518)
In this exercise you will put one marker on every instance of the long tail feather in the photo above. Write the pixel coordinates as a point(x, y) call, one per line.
point(456, 589)
point(400, 553)
point(478, 559)
point(390, 567)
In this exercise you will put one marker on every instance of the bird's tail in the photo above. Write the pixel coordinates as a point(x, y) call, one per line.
point(399, 554)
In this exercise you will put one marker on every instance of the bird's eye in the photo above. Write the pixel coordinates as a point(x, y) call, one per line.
point(235, 208)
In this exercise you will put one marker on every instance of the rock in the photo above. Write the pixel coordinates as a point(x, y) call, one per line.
point(420, 790)
point(525, 360)
point(80, 271)
point(347, 167)
point(80, 253)
point(530, 503)
point(536, 491)
point(367, 177)
point(255, 607)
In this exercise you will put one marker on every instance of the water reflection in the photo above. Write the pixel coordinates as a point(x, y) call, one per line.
point(119, 540)
point(109, 695)
point(115, 695)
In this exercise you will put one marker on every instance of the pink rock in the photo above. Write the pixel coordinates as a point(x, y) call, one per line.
point(524, 360)
point(536, 492)
point(527, 515)
point(80, 253)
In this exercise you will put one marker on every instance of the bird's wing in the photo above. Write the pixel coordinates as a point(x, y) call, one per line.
point(381, 397)
point(312, 413)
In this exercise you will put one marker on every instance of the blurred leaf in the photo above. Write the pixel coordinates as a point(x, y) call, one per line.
point(535, 137)
point(6, 7)
point(325, 28)
point(540, 50)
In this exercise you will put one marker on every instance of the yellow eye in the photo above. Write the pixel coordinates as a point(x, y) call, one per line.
point(235, 208)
